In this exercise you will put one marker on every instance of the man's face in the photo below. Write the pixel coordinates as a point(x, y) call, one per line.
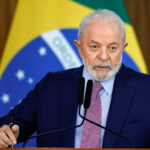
point(101, 49)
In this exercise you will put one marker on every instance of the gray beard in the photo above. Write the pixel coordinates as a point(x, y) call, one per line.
point(105, 75)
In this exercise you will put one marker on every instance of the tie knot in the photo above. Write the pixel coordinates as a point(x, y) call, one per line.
point(97, 86)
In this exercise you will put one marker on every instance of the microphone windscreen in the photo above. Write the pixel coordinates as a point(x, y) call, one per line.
point(81, 91)
point(88, 94)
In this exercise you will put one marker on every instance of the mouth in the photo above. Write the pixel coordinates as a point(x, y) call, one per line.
point(102, 68)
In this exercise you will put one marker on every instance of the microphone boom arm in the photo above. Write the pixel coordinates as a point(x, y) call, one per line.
point(55, 131)
point(109, 130)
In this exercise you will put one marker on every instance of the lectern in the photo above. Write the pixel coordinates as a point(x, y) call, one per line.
point(69, 149)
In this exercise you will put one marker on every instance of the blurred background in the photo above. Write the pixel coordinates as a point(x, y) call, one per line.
point(138, 11)
point(40, 38)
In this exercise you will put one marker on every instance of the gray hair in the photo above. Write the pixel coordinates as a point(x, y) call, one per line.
point(102, 15)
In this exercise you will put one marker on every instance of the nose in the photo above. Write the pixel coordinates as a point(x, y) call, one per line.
point(103, 54)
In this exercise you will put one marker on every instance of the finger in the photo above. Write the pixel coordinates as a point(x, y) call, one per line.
point(4, 138)
point(15, 128)
point(9, 134)
point(3, 144)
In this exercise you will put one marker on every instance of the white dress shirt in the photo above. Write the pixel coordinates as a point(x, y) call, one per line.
point(105, 97)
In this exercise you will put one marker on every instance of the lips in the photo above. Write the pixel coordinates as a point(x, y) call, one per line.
point(102, 68)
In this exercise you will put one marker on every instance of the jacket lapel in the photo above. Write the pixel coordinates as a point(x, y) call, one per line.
point(119, 107)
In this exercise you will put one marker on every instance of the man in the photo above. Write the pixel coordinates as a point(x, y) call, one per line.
point(124, 95)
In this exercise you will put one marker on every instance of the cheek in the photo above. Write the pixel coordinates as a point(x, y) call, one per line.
point(90, 58)
point(115, 59)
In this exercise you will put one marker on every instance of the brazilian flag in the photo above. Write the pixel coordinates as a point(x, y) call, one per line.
point(41, 40)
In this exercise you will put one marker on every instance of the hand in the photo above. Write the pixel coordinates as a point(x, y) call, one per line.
point(8, 136)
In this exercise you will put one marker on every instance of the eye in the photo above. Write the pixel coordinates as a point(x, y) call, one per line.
point(113, 48)
point(93, 46)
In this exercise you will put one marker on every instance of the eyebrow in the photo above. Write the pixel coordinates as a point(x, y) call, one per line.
point(95, 42)
point(109, 43)
point(114, 43)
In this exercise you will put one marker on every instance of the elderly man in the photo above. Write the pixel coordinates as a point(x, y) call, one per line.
point(121, 102)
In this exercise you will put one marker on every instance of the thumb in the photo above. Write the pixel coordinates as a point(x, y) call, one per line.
point(15, 130)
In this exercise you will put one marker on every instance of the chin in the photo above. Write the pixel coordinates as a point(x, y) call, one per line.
point(103, 75)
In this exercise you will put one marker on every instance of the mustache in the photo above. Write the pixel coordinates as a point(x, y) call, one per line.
point(102, 64)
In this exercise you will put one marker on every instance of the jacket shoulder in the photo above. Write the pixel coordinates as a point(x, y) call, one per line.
point(61, 77)
point(65, 74)
point(138, 77)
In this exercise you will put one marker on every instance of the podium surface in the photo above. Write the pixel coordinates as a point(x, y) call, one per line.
point(73, 148)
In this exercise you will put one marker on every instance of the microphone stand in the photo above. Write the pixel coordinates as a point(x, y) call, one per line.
point(109, 130)
point(55, 131)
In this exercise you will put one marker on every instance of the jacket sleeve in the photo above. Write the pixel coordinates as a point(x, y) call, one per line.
point(24, 114)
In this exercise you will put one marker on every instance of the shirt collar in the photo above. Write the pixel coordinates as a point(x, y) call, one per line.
point(107, 85)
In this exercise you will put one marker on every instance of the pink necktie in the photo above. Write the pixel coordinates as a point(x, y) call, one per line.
point(90, 132)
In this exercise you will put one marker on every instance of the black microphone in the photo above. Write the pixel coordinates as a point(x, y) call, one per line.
point(88, 94)
point(80, 102)
point(81, 91)
point(86, 106)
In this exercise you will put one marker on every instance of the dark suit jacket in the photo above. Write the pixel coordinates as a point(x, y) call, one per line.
point(53, 105)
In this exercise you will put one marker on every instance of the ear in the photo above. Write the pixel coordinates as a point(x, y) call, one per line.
point(77, 43)
point(125, 45)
